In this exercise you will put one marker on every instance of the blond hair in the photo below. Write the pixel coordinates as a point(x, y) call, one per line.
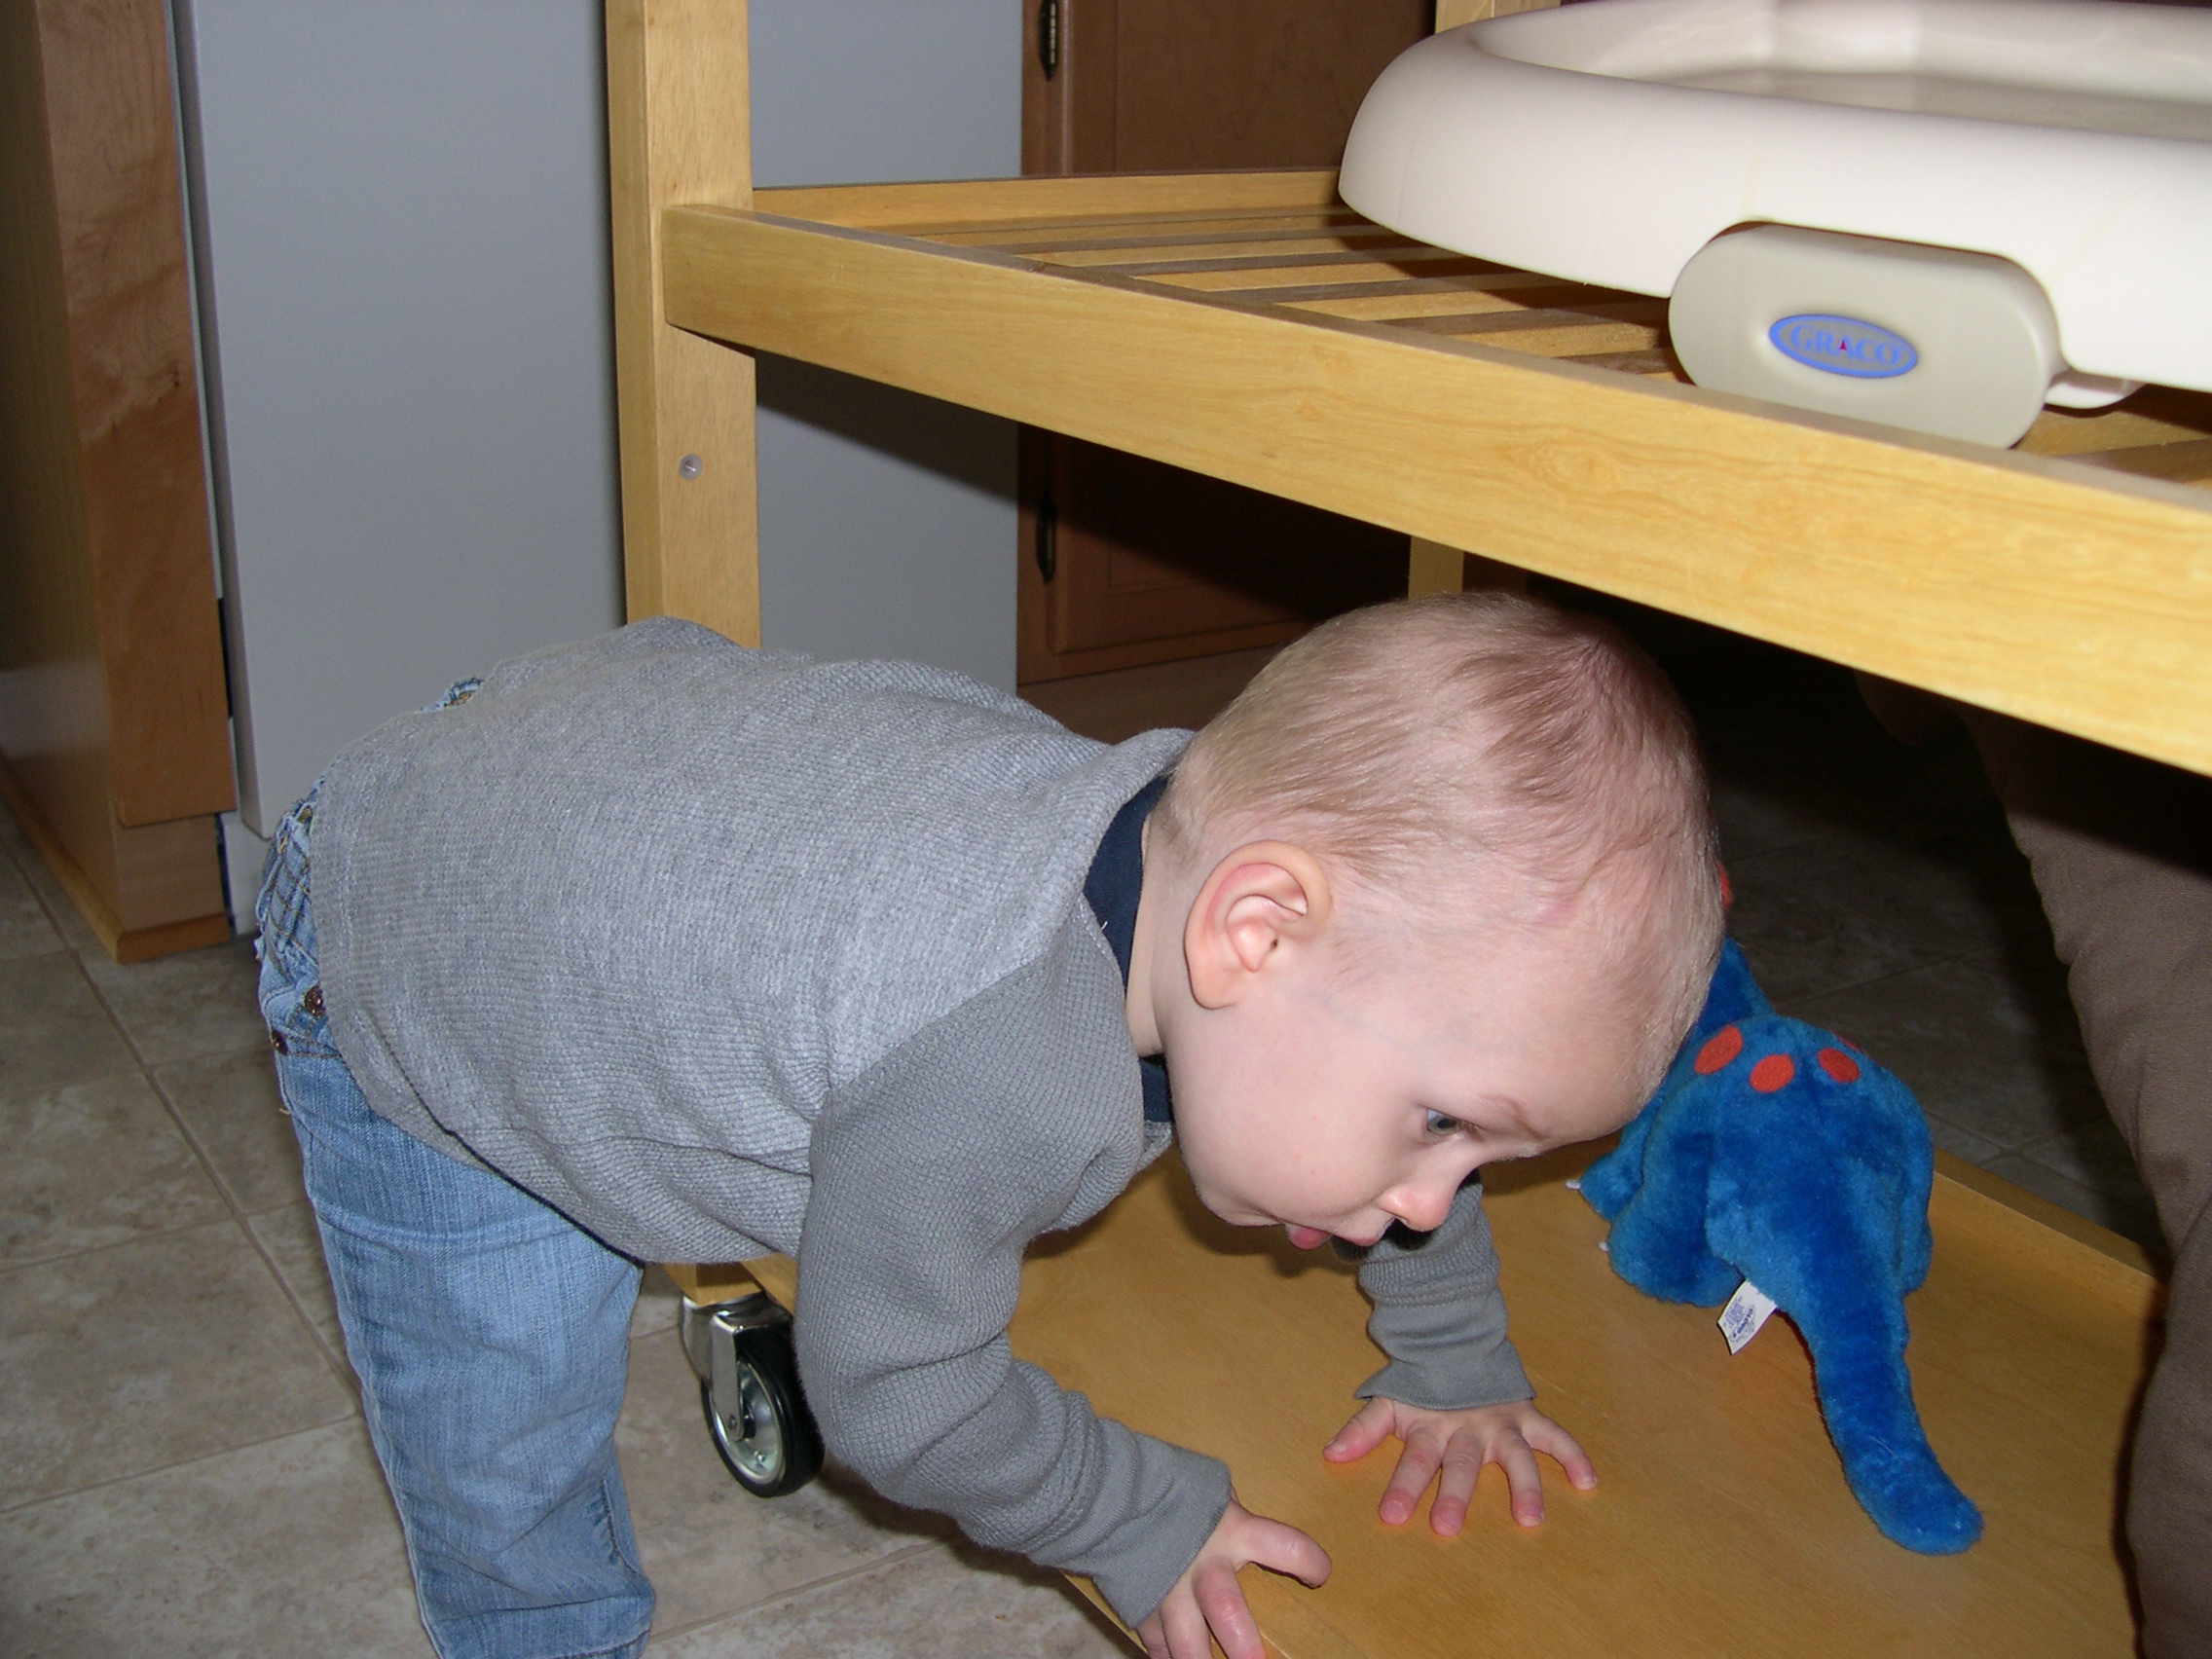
point(1495, 755)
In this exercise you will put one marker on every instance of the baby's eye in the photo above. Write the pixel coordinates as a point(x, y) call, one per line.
point(1440, 1125)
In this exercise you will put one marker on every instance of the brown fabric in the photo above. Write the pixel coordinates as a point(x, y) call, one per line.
point(2121, 850)
point(2121, 853)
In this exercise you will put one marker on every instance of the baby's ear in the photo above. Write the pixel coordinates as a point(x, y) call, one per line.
point(1261, 905)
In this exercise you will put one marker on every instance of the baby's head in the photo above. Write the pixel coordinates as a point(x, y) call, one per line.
point(1438, 889)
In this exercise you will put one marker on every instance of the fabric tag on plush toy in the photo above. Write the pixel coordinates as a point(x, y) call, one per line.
point(1746, 1313)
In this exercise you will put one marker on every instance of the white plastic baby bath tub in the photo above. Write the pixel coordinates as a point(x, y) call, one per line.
point(1612, 142)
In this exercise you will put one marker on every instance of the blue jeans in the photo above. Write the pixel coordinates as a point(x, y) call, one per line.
point(491, 1336)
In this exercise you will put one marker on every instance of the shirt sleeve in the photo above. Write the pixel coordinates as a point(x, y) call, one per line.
point(1016, 1114)
point(1439, 1317)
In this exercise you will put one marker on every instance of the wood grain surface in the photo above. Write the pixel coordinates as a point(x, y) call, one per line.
point(1243, 82)
point(1721, 1524)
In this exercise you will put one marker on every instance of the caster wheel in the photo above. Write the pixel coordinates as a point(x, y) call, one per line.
point(750, 1392)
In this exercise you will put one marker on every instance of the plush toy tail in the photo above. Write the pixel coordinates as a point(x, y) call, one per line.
point(1865, 1392)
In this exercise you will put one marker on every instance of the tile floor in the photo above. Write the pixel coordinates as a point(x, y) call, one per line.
point(182, 1464)
point(183, 1470)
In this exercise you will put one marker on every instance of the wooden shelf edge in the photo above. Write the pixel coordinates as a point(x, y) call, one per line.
point(2102, 1240)
point(2041, 589)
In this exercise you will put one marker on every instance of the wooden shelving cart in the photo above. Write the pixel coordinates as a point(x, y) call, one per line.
point(1249, 326)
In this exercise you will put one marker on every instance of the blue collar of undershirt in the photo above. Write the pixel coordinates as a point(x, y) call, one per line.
point(1112, 888)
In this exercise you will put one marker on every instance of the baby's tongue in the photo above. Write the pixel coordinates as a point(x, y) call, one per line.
point(1306, 1237)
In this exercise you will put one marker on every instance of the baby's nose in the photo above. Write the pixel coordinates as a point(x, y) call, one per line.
point(1421, 1210)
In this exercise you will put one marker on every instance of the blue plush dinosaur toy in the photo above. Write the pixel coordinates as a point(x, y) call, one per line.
point(1775, 1152)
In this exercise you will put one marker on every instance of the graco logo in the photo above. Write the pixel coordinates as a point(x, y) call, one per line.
point(1844, 345)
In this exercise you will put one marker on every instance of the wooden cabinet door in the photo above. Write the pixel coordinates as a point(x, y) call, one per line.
point(1131, 562)
point(1128, 561)
point(115, 749)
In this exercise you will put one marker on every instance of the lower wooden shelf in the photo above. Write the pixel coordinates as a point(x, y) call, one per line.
point(1250, 327)
point(1721, 1524)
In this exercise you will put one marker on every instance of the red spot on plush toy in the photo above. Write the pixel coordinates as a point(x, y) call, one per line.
point(1771, 1073)
point(1724, 1046)
point(1838, 1065)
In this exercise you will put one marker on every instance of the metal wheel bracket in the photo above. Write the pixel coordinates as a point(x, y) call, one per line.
point(698, 1325)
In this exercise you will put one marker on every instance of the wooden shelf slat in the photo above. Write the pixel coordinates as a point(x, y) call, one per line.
point(1316, 275)
point(1095, 199)
point(990, 233)
point(1290, 262)
point(1510, 317)
point(1279, 253)
point(1433, 298)
point(1480, 279)
point(2074, 597)
point(1322, 233)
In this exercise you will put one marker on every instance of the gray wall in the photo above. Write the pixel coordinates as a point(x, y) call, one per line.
point(887, 521)
point(400, 231)
point(399, 223)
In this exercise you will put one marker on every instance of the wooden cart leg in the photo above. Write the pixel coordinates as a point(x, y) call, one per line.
point(1433, 567)
point(1451, 13)
point(679, 133)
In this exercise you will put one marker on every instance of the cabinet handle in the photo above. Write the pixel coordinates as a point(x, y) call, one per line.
point(1049, 37)
point(1047, 548)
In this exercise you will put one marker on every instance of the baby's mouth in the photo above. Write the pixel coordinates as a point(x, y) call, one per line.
point(1306, 1237)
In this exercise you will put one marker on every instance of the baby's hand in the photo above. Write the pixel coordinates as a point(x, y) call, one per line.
point(1207, 1595)
point(1461, 1443)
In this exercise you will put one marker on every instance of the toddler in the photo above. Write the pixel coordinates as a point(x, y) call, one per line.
point(652, 948)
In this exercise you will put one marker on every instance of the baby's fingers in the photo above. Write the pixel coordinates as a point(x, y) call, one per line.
point(1285, 1549)
point(1416, 1467)
point(1371, 1425)
point(1222, 1601)
point(1463, 1465)
point(1152, 1631)
point(1547, 1437)
point(1522, 1480)
point(1178, 1630)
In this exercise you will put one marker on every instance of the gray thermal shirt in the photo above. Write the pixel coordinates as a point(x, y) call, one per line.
point(720, 951)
